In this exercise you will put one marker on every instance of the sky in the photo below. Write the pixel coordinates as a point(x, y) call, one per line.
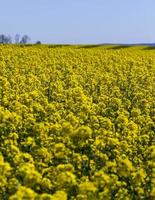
point(80, 21)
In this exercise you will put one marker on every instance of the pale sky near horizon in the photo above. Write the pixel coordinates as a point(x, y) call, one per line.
point(80, 21)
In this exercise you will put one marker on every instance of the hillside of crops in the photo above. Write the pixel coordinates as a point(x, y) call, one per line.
point(77, 123)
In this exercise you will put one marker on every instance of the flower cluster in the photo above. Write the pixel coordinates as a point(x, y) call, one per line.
point(76, 123)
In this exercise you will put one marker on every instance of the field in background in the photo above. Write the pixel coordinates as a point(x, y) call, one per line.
point(77, 122)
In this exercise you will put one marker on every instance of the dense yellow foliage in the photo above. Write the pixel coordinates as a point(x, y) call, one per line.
point(77, 123)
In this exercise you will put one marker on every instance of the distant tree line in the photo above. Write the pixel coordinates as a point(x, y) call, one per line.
point(7, 39)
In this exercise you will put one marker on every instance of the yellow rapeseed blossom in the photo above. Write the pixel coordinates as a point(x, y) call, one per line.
point(77, 123)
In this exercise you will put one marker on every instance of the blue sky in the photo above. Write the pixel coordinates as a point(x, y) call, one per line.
point(80, 21)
